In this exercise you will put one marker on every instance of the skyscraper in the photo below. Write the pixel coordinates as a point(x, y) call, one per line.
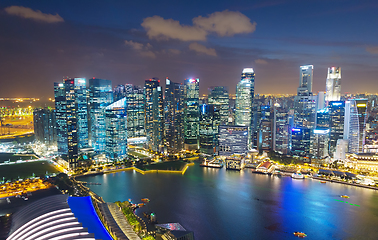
point(333, 84)
point(154, 118)
point(305, 80)
point(219, 96)
point(245, 91)
point(191, 113)
point(233, 140)
point(336, 123)
point(116, 130)
point(100, 96)
point(72, 117)
point(135, 111)
point(280, 130)
point(44, 126)
point(355, 124)
point(60, 117)
point(174, 116)
point(208, 129)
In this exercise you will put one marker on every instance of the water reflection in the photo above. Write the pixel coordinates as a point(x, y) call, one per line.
point(221, 204)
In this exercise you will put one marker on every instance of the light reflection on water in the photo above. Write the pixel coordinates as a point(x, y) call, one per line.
point(224, 204)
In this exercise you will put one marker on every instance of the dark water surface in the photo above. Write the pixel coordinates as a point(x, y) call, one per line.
point(224, 204)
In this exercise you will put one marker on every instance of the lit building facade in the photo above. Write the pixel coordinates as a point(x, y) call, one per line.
point(362, 161)
point(219, 96)
point(336, 123)
point(233, 140)
point(355, 124)
point(281, 131)
point(154, 118)
point(116, 130)
point(245, 92)
point(100, 96)
point(60, 118)
point(305, 80)
point(208, 128)
point(333, 84)
point(300, 141)
point(44, 126)
point(320, 143)
point(135, 111)
point(71, 117)
point(191, 113)
point(173, 116)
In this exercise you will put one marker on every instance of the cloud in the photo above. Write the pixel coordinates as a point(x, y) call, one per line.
point(149, 54)
point(29, 13)
point(174, 51)
point(226, 23)
point(372, 50)
point(143, 49)
point(261, 61)
point(165, 29)
point(202, 49)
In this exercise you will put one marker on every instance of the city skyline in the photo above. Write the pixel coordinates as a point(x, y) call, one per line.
point(128, 43)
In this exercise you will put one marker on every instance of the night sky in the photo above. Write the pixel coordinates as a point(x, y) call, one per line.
point(130, 41)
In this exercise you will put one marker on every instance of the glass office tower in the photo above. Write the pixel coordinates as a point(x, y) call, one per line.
point(60, 116)
point(135, 111)
point(191, 113)
point(336, 123)
point(116, 130)
point(305, 80)
point(245, 91)
point(173, 116)
point(355, 124)
point(219, 96)
point(333, 84)
point(208, 129)
point(154, 118)
point(100, 96)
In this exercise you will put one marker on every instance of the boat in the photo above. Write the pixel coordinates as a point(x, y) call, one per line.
point(300, 234)
point(344, 196)
point(145, 200)
point(322, 181)
point(297, 176)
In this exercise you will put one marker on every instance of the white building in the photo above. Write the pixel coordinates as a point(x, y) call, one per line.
point(333, 84)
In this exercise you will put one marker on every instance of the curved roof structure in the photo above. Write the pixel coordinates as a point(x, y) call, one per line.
point(52, 218)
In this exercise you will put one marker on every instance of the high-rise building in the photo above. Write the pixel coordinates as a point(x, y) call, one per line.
point(44, 126)
point(233, 140)
point(154, 118)
point(355, 124)
point(336, 123)
point(219, 96)
point(71, 117)
point(333, 84)
point(245, 91)
point(135, 111)
point(320, 143)
point(208, 128)
point(191, 113)
point(174, 116)
point(60, 118)
point(280, 130)
point(265, 135)
point(119, 92)
point(305, 80)
point(116, 130)
point(100, 96)
point(300, 141)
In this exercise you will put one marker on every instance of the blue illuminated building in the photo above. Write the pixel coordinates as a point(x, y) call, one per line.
point(336, 120)
point(72, 117)
point(100, 96)
point(116, 130)
point(300, 141)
